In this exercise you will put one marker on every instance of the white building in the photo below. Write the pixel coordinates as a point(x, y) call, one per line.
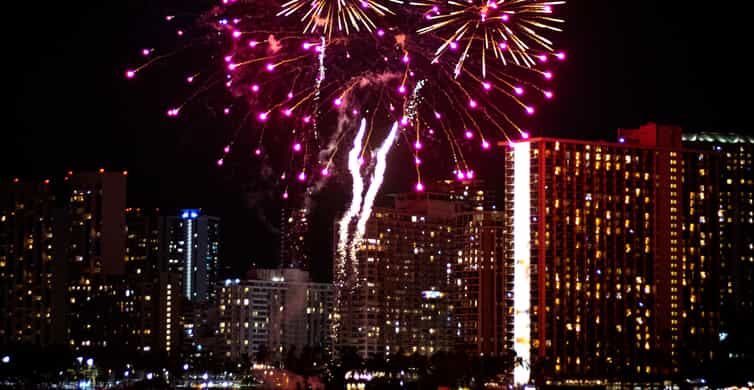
point(278, 309)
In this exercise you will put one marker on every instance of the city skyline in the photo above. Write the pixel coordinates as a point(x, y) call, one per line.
point(368, 193)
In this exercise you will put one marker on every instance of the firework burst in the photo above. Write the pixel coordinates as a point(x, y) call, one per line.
point(335, 16)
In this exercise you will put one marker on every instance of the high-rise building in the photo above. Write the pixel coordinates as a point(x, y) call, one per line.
point(402, 298)
point(144, 266)
point(32, 268)
point(193, 248)
point(277, 310)
point(735, 216)
point(294, 224)
point(96, 294)
point(480, 273)
point(612, 271)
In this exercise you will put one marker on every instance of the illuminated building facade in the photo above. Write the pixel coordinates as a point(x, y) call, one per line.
point(403, 298)
point(193, 247)
point(31, 266)
point(610, 279)
point(294, 225)
point(97, 296)
point(481, 276)
point(97, 206)
point(735, 216)
point(276, 310)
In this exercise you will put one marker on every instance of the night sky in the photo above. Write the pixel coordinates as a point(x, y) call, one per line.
point(70, 108)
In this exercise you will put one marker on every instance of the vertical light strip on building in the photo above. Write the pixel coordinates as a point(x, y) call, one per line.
point(521, 254)
point(189, 254)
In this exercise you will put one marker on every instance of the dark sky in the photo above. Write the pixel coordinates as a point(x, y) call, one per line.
point(69, 106)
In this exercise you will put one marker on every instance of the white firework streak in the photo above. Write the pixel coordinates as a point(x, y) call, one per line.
point(358, 187)
point(378, 176)
point(318, 83)
point(317, 185)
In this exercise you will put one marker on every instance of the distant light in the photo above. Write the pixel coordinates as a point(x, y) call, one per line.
point(402, 89)
point(486, 85)
point(101, 170)
point(453, 45)
point(621, 140)
point(503, 46)
point(47, 181)
point(125, 173)
point(189, 213)
point(255, 87)
point(548, 94)
point(220, 162)
point(258, 152)
point(530, 110)
point(547, 74)
point(130, 74)
point(485, 144)
point(472, 103)
point(560, 55)
point(431, 294)
point(524, 135)
point(90, 362)
point(297, 147)
point(150, 376)
point(419, 187)
point(236, 34)
point(146, 52)
point(185, 367)
point(325, 172)
point(270, 67)
point(285, 195)
point(262, 116)
point(338, 102)
point(380, 33)
point(6, 359)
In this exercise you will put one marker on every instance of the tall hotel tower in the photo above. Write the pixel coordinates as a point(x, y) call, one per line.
point(614, 256)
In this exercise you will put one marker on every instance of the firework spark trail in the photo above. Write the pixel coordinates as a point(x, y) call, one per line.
point(354, 166)
point(317, 185)
point(378, 177)
point(318, 84)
